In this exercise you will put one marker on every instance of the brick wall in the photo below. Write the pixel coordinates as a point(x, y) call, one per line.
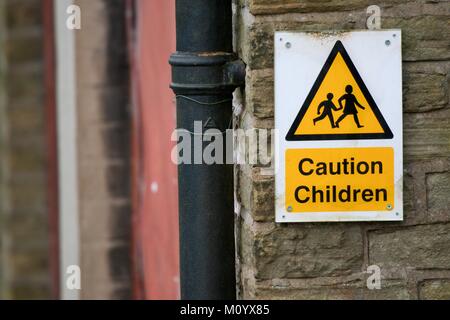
point(24, 266)
point(329, 260)
point(103, 150)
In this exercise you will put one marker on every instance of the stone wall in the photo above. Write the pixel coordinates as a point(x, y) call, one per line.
point(329, 260)
point(24, 247)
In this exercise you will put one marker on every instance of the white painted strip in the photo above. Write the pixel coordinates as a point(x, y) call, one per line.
point(67, 147)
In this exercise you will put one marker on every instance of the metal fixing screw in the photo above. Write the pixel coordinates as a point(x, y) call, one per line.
point(288, 45)
point(387, 42)
point(289, 209)
point(389, 207)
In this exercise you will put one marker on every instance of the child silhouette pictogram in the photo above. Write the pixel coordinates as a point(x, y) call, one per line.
point(328, 107)
point(350, 106)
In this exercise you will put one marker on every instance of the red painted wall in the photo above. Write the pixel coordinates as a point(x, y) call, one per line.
point(155, 220)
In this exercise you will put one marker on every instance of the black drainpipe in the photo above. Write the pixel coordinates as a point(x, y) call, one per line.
point(204, 73)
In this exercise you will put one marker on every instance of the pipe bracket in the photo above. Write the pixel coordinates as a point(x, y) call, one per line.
point(206, 73)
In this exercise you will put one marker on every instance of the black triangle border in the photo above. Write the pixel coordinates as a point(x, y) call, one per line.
point(339, 48)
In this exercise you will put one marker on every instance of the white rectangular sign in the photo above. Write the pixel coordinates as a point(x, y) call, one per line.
point(338, 112)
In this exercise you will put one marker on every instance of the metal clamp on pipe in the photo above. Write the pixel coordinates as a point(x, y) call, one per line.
point(206, 73)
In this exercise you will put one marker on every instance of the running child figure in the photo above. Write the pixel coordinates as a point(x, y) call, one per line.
point(328, 107)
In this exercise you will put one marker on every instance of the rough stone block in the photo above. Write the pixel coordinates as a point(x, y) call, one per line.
point(390, 291)
point(419, 247)
point(262, 199)
point(257, 194)
point(305, 6)
point(435, 290)
point(424, 37)
point(427, 135)
point(259, 93)
point(425, 87)
point(438, 193)
point(307, 251)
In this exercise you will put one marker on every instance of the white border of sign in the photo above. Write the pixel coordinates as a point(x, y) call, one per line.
point(299, 57)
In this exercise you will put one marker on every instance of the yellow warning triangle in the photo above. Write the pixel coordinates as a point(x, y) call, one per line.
point(339, 105)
